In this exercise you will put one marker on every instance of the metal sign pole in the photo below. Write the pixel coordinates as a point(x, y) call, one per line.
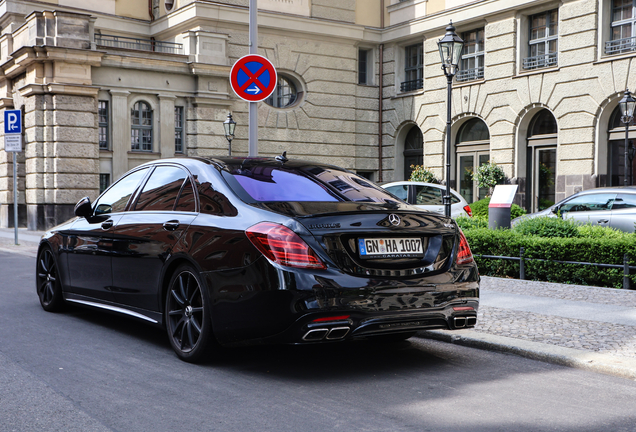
point(15, 195)
point(253, 108)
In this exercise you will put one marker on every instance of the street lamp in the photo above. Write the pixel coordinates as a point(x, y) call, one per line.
point(450, 51)
point(229, 125)
point(627, 105)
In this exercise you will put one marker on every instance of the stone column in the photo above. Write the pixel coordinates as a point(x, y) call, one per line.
point(121, 132)
point(166, 125)
point(61, 151)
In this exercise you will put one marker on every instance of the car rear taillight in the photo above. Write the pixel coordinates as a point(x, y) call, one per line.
point(468, 211)
point(333, 318)
point(464, 255)
point(283, 246)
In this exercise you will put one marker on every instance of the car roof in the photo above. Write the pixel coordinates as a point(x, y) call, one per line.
point(608, 189)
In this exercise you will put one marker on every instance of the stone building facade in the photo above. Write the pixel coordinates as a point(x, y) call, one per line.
point(106, 85)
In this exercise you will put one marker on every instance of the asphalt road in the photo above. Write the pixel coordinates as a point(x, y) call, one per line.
point(88, 371)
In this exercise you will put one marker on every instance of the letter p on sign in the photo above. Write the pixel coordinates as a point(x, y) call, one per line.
point(13, 122)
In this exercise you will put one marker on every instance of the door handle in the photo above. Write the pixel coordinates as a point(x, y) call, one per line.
point(171, 225)
point(108, 224)
point(603, 221)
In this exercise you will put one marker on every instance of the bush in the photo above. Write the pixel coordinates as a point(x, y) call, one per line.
point(484, 241)
point(488, 176)
point(420, 173)
point(546, 226)
point(596, 231)
point(480, 209)
point(467, 223)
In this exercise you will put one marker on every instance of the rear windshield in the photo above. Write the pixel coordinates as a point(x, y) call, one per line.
point(307, 183)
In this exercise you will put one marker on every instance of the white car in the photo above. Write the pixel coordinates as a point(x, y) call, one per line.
point(428, 196)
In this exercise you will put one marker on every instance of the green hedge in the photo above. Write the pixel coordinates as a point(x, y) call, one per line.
point(484, 241)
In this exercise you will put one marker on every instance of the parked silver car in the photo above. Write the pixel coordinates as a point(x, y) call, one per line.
point(614, 207)
point(428, 196)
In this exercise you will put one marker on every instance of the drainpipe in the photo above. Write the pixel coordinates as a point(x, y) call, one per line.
point(152, 17)
point(381, 90)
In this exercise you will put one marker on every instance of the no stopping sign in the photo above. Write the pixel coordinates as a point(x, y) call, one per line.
point(253, 78)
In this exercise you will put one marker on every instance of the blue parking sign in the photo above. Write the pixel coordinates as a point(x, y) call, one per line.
point(13, 122)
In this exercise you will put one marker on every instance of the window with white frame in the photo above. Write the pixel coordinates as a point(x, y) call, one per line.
point(623, 27)
point(472, 65)
point(141, 127)
point(103, 114)
point(413, 68)
point(178, 129)
point(543, 41)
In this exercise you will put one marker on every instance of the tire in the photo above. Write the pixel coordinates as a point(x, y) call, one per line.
point(47, 281)
point(187, 316)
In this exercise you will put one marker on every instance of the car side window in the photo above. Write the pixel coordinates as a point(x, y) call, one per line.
point(214, 202)
point(591, 202)
point(624, 201)
point(400, 191)
point(162, 189)
point(115, 199)
point(186, 201)
point(428, 195)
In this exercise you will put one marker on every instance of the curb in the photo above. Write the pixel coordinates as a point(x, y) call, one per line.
point(602, 363)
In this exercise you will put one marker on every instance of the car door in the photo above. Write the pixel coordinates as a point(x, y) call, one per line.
point(429, 198)
point(624, 212)
point(146, 234)
point(90, 248)
point(594, 208)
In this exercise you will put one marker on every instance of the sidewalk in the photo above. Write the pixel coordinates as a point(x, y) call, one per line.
point(27, 241)
point(578, 326)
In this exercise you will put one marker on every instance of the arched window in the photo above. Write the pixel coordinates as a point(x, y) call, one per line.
point(541, 160)
point(413, 150)
point(473, 150)
point(141, 127)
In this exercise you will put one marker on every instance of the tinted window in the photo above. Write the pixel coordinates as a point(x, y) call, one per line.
point(162, 189)
point(624, 201)
point(592, 202)
point(272, 184)
point(401, 191)
point(213, 202)
point(115, 199)
point(186, 200)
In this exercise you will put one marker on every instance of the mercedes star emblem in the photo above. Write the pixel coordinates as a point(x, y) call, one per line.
point(394, 219)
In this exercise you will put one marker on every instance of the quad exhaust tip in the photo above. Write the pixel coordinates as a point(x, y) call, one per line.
point(319, 334)
point(461, 322)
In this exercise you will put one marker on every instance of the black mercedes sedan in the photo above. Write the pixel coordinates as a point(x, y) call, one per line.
point(226, 251)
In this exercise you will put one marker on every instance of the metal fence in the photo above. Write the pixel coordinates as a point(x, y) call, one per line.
point(138, 44)
point(470, 74)
point(522, 267)
point(412, 85)
point(540, 61)
point(619, 46)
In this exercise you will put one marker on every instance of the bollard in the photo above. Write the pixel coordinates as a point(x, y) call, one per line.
point(522, 266)
point(626, 271)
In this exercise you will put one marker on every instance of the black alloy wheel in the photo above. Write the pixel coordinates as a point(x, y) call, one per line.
point(48, 282)
point(187, 321)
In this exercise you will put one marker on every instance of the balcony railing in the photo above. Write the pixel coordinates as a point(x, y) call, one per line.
point(619, 46)
point(470, 74)
point(408, 86)
point(540, 61)
point(138, 44)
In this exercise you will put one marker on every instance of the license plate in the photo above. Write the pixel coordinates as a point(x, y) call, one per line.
point(406, 247)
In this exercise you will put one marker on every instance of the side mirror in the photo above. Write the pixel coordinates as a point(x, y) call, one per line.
point(83, 208)
point(555, 209)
